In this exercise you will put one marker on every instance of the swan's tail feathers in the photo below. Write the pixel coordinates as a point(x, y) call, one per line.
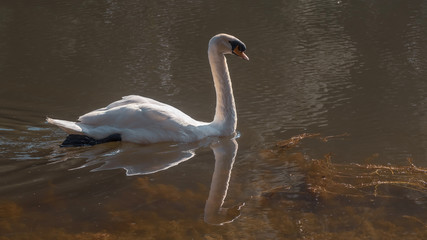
point(75, 140)
point(77, 137)
point(68, 126)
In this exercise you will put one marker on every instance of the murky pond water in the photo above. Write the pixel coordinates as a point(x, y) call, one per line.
point(351, 74)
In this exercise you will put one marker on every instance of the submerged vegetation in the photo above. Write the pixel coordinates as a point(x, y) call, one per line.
point(347, 201)
point(326, 178)
point(330, 201)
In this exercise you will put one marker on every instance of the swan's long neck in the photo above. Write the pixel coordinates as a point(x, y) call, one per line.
point(225, 113)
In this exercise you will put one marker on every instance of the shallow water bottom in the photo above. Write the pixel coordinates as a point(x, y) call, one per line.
point(327, 201)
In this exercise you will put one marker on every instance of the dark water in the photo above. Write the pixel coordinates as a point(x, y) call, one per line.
point(356, 68)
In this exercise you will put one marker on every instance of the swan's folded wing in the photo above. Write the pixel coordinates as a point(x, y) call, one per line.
point(137, 115)
point(133, 99)
point(124, 110)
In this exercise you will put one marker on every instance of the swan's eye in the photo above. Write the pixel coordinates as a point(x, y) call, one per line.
point(238, 48)
point(239, 45)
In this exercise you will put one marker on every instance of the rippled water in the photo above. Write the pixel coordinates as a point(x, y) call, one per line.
point(331, 67)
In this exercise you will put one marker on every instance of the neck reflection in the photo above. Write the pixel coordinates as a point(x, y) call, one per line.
point(160, 157)
point(225, 152)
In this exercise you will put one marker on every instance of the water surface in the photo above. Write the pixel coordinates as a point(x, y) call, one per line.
point(353, 69)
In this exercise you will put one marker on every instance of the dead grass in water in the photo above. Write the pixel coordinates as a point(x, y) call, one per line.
point(347, 201)
point(352, 180)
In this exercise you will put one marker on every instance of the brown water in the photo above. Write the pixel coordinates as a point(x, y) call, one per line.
point(351, 69)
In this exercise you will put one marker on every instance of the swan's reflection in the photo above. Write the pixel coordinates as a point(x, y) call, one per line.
point(225, 153)
point(142, 160)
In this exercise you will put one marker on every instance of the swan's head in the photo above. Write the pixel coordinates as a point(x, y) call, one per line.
point(228, 44)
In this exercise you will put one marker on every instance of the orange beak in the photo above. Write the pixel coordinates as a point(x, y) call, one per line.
point(240, 54)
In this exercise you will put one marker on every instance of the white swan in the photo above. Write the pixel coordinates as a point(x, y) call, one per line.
point(143, 120)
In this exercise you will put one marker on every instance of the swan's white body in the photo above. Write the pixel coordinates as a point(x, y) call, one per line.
point(143, 120)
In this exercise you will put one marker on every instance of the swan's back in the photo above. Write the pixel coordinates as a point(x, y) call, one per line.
point(136, 112)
